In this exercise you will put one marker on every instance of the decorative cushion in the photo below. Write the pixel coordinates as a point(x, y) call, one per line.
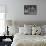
point(23, 30)
point(36, 30)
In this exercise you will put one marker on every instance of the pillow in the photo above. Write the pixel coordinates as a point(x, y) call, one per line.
point(28, 31)
point(44, 26)
point(33, 30)
point(28, 26)
point(21, 30)
point(13, 30)
point(24, 30)
point(36, 30)
point(44, 29)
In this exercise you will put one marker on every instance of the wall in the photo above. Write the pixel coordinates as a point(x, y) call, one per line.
point(19, 13)
point(15, 9)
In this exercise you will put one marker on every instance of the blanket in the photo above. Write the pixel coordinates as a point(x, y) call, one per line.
point(29, 40)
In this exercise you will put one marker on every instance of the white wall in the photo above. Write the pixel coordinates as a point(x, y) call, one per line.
point(15, 9)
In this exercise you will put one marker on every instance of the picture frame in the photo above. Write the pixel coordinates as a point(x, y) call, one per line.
point(30, 9)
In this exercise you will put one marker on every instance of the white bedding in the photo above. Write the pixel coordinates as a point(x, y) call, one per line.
point(29, 40)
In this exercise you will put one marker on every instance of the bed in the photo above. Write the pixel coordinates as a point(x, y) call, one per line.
point(29, 40)
point(21, 39)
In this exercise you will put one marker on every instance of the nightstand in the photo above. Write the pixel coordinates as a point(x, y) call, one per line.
point(7, 43)
point(6, 40)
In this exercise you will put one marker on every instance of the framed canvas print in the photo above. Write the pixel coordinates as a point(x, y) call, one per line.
point(30, 9)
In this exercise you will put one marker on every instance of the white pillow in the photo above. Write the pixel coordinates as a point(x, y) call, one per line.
point(24, 30)
point(44, 27)
point(28, 26)
point(28, 31)
point(36, 30)
point(21, 30)
point(13, 30)
point(42, 30)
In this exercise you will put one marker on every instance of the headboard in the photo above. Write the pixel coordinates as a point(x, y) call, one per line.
point(21, 23)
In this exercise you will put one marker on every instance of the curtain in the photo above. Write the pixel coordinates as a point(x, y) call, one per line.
point(2, 19)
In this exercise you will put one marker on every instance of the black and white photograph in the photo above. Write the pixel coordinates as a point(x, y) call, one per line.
point(30, 9)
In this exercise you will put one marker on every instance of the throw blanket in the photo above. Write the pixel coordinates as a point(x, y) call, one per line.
point(29, 40)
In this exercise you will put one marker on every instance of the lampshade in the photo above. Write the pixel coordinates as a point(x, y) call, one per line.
point(9, 22)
